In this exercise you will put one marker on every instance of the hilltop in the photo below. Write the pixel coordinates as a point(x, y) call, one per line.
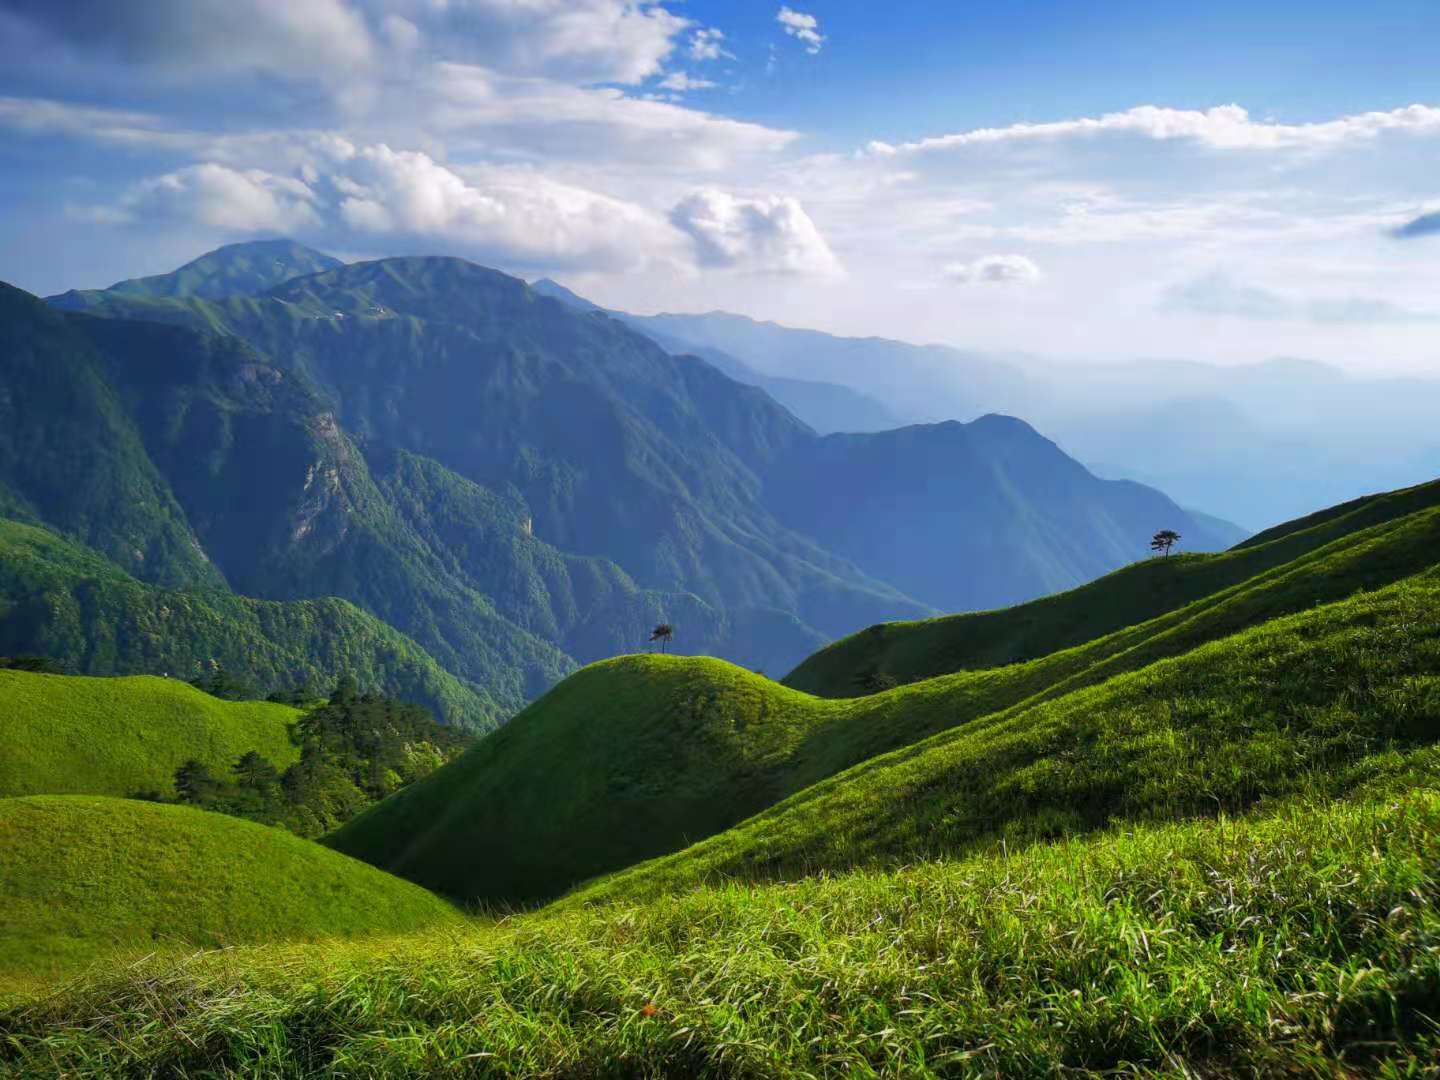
point(660, 752)
point(67, 734)
point(88, 878)
point(904, 652)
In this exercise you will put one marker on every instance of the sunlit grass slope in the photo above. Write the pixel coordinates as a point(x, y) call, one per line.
point(1298, 943)
point(1319, 701)
point(68, 734)
point(87, 878)
point(907, 651)
point(638, 757)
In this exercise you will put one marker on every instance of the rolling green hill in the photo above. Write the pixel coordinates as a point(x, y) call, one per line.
point(67, 734)
point(1320, 700)
point(1202, 845)
point(62, 600)
point(908, 651)
point(1298, 940)
point(87, 877)
point(661, 751)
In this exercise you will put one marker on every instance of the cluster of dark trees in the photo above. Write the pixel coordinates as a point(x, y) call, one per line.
point(41, 665)
point(354, 750)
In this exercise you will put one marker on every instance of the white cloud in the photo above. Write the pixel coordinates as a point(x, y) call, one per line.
point(707, 44)
point(681, 83)
point(804, 27)
point(587, 41)
point(994, 270)
point(514, 216)
point(219, 197)
point(773, 234)
point(1226, 127)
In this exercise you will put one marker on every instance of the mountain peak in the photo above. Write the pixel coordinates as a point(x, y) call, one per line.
point(241, 269)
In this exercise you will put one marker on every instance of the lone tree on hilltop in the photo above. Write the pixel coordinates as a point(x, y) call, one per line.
point(664, 633)
point(1163, 541)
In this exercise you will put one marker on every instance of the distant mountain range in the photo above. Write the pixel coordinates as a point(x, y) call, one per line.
point(513, 484)
point(1194, 430)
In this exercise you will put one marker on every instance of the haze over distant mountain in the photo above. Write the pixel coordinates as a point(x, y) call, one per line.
point(516, 485)
point(1192, 429)
point(826, 407)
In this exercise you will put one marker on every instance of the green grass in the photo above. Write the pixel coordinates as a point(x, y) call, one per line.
point(89, 878)
point(1302, 942)
point(657, 752)
point(910, 651)
point(1206, 845)
point(72, 735)
point(1315, 701)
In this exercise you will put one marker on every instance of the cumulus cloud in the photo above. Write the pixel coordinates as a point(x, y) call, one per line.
point(1424, 225)
point(1219, 294)
point(513, 216)
point(516, 216)
point(218, 197)
point(805, 28)
point(765, 235)
point(1226, 127)
point(994, 270)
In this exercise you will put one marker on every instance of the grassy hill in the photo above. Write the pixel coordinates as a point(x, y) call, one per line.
point(1203, 845)
point(89, 877)
point(62, 600)
point(908, 651)
point(659, 752)
point(1319, 701)
point(1299, 942)
point(67, 734)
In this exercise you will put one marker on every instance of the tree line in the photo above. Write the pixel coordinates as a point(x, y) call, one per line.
point(355, 749)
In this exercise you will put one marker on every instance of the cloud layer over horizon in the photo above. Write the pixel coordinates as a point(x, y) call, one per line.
point(568, 136)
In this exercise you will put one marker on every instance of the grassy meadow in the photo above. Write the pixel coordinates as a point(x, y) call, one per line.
point(69, 734)
point(1197, 836)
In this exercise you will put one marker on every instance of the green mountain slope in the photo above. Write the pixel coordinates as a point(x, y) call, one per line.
point(660, 751)
point(234, 270)
point(71, 457)
point(826, 407)
point(87, 878)
point(972, 516)
point(910, 651)
point(1321, 698)
point(68, 734)
point(59, 599)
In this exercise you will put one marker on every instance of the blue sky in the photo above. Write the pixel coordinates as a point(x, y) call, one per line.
point(1224, 181)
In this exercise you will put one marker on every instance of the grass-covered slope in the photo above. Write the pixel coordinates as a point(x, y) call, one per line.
point(908, 651)
point(88, 877)
point(658, 752)
point(68, 734)
point(62, 600)
point(1319, 700)
point(1297, 943)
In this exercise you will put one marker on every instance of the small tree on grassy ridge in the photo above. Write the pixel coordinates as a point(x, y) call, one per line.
point(1163, 541)
point(663, 633)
